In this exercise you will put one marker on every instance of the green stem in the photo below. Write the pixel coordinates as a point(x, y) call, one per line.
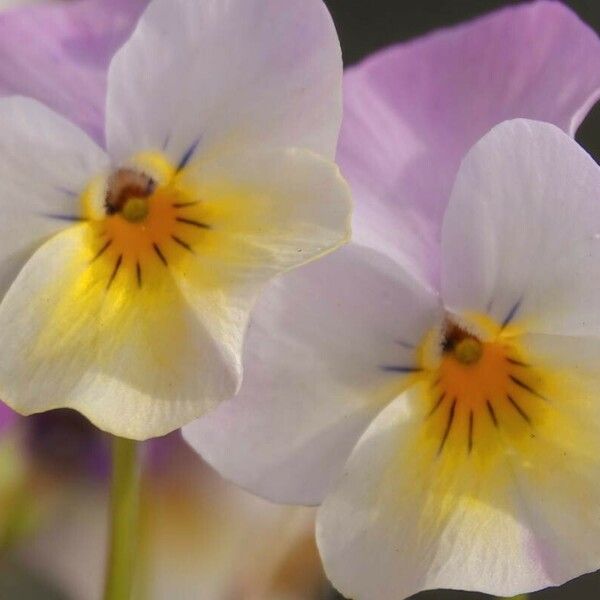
point(124, 508)
point(521, 597)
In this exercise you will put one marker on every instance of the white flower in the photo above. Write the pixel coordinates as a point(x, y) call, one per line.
point(136, 266)
point(454, 432)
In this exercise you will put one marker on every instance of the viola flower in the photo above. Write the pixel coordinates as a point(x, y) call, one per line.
point(441, 398)
point(137, 264)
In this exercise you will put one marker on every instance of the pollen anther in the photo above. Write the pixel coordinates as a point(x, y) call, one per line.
point(135, 209)
point(125, 185)
point(468, 351)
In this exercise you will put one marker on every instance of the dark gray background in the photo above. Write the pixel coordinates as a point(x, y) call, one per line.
point(367, 25)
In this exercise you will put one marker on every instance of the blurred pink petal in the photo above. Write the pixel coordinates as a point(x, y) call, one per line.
point(58, 53)
point(412, 112)
point(200, 537)
point(7, 417)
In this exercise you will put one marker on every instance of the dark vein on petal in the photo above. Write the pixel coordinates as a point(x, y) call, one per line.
point(192, 222)
point(187, 156)
point(448, 426)
point(519, 409)
point(182, 243)
point(67, 192)
point(160, 255)
point(470, 432)
point(511, 315)
point(406, 345)
point(68, 218)
point(526, 387)
point(517, 363)
point(400, 369)
point(102, 250)
point(184, 204)
point(436, 405)
point(492, 413)
point(138, 273)
point(115, 271)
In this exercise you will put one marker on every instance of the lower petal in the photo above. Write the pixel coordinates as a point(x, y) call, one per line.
point(138, 361)
point(515, 515)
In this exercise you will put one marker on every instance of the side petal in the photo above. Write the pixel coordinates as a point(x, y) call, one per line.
point(419, 106)
point(45, 162)
point(521, 234)
point(317, 358)
point(59, 52)
point(77, 332)
point(404, 519)
point(267, 212)
point(201, 76)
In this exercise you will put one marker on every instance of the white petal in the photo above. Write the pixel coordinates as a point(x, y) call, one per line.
point(521, 236)
point(314, 376)
point(45, 162)
point(137, 362)
point(269, 211)
point(214, 74)
point(404, 520)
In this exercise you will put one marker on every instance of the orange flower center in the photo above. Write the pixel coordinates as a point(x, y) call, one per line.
point(477, 387)
point(147, 224)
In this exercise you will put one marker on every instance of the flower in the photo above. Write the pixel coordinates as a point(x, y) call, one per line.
point(441, 397)
point(221, 123)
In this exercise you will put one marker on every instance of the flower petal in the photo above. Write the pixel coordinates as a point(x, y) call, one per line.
point(138, 362)
point(268, 211)
point(315, 359)
point(45, 162)
point(419, 107)
point(404, 519)
point(521, 237)
point(200, 76)
point(58, 53)
point(7, 417)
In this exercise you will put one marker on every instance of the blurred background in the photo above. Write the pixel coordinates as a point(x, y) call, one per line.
point(202, 539)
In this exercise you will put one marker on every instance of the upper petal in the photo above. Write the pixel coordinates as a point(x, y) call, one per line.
point(521, 234)
point(319, 343)
point(197, 76)
point(59, 52)
point(45, 162)
point(419, 107)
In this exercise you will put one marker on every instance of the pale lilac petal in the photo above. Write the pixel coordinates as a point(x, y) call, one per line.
point(58, 53)
point(520, 239)
point(215, 75)
point(325, 351)
point(412, 112)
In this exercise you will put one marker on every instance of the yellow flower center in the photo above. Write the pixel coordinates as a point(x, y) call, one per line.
point(475, 385)
point(148, 220)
